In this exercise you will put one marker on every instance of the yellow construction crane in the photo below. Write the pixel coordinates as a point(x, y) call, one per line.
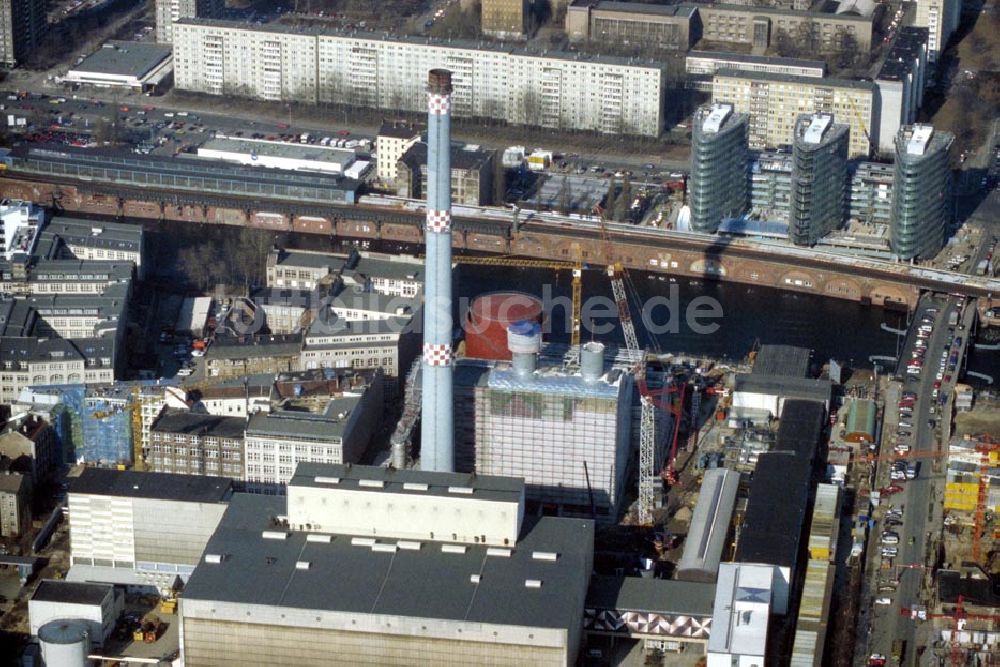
point(861, 122)
point(138, 457)
point(575, 267)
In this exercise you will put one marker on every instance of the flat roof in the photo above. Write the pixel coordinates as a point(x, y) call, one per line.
point(125, 58)
point(739, 627)
point(818, 125)
point(314, 426)
point(750, 59)
point(279, 149)
point(781, 360)
point(728, 72)
point(71, 592)
point(772, 526)
point(800, 428)
point(683, 11)
point(658, 596)
point(161, 485)
point(422, 582)
point(176, 420)
point(919, 139)
point(717, 115)
point(484, 487)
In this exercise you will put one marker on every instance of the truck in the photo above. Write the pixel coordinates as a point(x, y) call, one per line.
point(304, 138)
point(898, 650)
point(539, 161)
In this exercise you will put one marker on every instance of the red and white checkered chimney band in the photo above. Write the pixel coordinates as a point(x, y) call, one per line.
point(438, 222)
point(437, 354)
point(438, 104)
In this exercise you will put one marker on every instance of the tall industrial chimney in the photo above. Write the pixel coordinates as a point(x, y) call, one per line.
point(437, 446)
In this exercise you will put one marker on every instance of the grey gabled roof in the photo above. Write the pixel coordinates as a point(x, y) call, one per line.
point(420, 583)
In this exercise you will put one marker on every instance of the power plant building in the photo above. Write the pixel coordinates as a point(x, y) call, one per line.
point(818, 202)
point(566, 431)
point(718, 166)
point(920, 192)
point(553, 89)
point(460, 577)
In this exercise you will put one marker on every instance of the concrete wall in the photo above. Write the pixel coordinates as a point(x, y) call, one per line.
point(269, 636)
point(173, 532)
point(457, 518)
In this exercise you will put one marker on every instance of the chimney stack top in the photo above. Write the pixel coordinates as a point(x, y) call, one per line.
point(439, 82)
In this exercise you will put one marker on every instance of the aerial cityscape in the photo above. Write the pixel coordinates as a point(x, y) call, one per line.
point(499, 332)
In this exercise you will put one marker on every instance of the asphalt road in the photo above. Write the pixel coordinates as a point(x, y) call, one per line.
point(921, 498)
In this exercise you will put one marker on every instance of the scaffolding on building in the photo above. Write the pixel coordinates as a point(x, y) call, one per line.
point(401, 441)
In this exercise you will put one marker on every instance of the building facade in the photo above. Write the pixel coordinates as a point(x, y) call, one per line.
point(170, 11)
point(189, 443)
point(339, 433)
point(471, 175)
point(391, 142)
point(718, 182)
point(818, 197)
point(871, 192)
point(23, 23)
point(901, 81)
point(941, 18)
point(773, 102)
point(920, 194)
point(505, 19)
point(760, 27)
point(146, 528)
point(560, 91)
point(15, 501)
point(674, 27)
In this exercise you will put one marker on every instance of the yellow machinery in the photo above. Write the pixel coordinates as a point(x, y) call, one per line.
point(138, 457)
point(861, 122)
point(575, 267)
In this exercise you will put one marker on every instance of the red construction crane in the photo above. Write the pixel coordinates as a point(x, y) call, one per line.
point(958, 615)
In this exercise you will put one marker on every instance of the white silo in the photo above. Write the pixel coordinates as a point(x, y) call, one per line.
point(64, 643)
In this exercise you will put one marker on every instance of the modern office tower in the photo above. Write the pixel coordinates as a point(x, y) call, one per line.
point(920, 191)
point(819, 178)
point(437, 434)
point(169, 11)
point(718, 185)
point(505, 19)
point(22, 24)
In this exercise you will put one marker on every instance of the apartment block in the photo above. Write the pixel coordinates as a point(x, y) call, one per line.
point(920, 195)
point(15, 501)
point(760, 26)
point(23, 23)
point(380, 273)
point(901, 81)
point(718, 180)
point(505, 19)
point(819, 178)
point(169, 12)
point(633, 24)
point(189, 443)
point(941, 18)
point(557, 90)
point(774, 101)
point(236, 356)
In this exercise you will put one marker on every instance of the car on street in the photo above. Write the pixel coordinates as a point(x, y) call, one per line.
point(883, 601)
